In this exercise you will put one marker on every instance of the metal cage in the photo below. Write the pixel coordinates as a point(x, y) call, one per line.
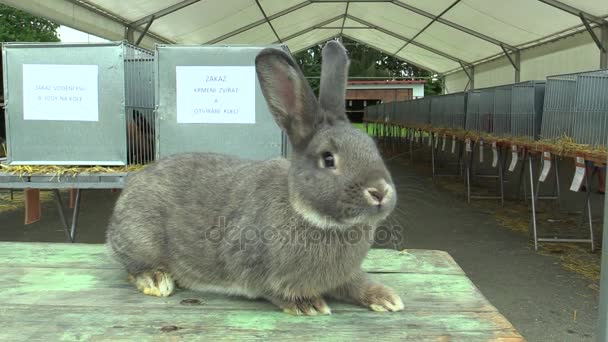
point(590, 110)
point(574, 106)
point(527, 109)
point(78, 104)
point(189, 78)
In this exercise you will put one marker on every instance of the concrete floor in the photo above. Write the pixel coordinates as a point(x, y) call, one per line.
point(544, 301)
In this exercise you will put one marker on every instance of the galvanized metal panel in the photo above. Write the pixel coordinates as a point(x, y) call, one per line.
point(261, 140)
point(472, 116)
point(103, 142)
point(591, 109)
point(557, 108)
point(527, 109)
point(502, 110)
point(486, 110)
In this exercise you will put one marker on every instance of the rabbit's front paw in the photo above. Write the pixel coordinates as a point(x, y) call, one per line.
point(382, 298)
point(305, 306)
point(153, 283)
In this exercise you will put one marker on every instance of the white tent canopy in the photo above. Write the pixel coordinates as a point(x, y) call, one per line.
point(440, 35)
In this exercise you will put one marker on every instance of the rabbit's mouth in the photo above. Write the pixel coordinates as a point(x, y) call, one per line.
point(350, 215)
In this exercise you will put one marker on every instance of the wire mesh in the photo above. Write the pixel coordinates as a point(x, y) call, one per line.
point(527, 109)
point(472, 111)
point(139, 104)
point(502, 111)
point(569, 96)
point(486, 110)
point(590, 110)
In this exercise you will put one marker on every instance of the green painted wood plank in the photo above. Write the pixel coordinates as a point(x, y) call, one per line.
point(94, 256)
point(75, 292)
point(109, 287)
point(200, 324)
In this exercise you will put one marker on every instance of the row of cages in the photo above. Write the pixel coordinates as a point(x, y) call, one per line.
point(572, 105)
point(116, 104)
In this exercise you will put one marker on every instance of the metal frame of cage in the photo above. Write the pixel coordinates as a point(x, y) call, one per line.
point(124, 131)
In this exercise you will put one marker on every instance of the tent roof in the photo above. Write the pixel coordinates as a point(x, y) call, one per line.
point(438, 35)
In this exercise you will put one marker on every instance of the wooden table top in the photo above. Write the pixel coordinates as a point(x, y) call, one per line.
point(53, 292)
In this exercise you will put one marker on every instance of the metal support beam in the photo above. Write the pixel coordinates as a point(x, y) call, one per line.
point(143, 34)
point(517, 55)
point(268, 21)
point(470, 75)
point(389, 53)
point(453, 25)
point(398, 36)
point(515, 62)
point(312, 28)
point(428, 25)
point(116, 19)
point(130, 34)
point(574, 11)
point(344, 19)
point(159, 14)
point(603, 315)
point(259, 22)
point(604, 39)
point(594, 36)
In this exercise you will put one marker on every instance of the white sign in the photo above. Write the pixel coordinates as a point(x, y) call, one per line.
point(468, 145)
point(60, 92)
point(513, 158)
point(215, 94)
point(546, 166)
point(579, 175)
point(494, 154)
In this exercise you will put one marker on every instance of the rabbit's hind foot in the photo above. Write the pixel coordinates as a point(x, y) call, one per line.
point(304, 306)
point(153, 283)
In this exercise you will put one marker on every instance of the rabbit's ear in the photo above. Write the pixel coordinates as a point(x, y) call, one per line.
point(288, 95)
point(334, 74)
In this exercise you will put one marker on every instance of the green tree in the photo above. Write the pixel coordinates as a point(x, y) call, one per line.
point(365, 62)
point(20, 26)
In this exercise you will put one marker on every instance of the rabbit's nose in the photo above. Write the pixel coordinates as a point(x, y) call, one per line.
point(375, 196)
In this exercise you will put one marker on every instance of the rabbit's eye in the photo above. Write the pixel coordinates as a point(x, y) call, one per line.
point(328, 160)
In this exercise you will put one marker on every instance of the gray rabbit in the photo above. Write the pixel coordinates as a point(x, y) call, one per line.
point(290, 231)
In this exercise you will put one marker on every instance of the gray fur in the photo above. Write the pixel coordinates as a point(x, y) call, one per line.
point(252, 227)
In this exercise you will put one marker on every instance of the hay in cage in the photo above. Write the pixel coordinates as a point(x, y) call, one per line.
point(65, 171)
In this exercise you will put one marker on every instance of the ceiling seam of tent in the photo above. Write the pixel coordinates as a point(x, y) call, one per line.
point(113, 17)
point(163, 12)
point(268, 20)
point(388, 53)
point(427, 26)
point(258, 22)
point(400, 37)
point(311, 28)
point(529, 45)
point(453, 25)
